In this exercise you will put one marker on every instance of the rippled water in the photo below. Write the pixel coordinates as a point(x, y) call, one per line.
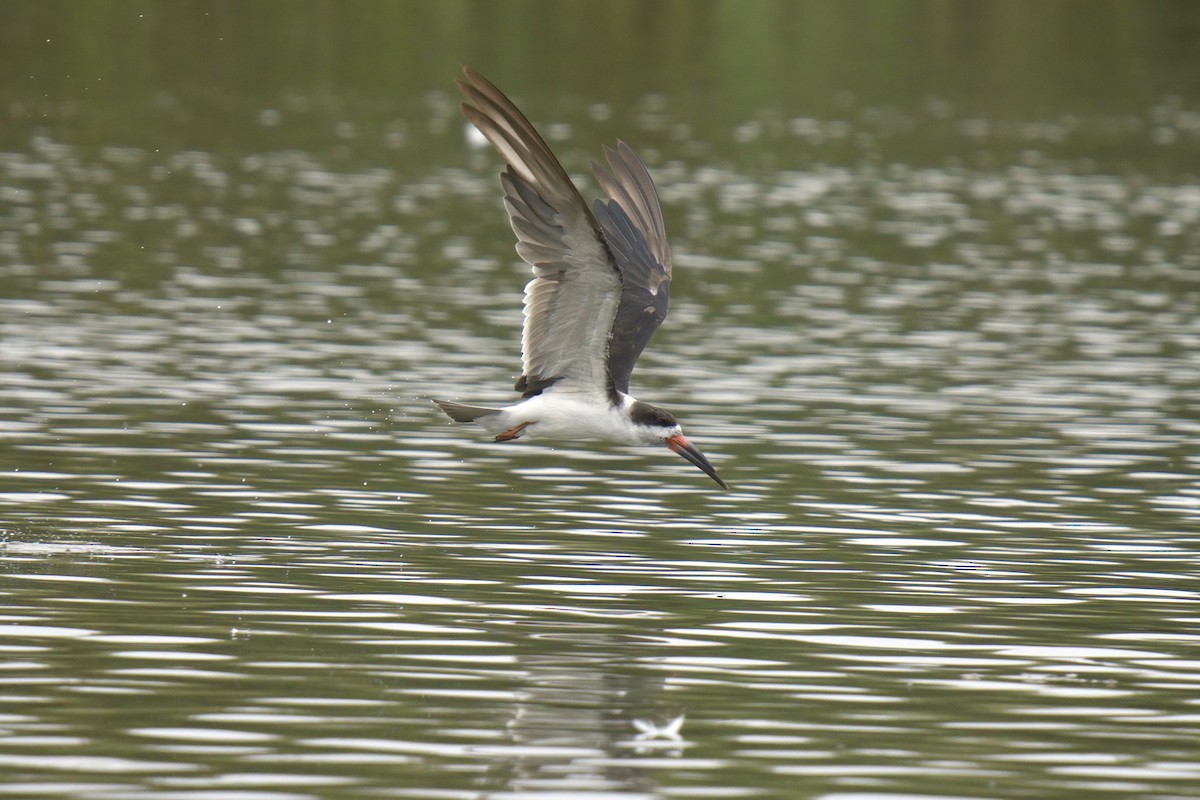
point(947, 363)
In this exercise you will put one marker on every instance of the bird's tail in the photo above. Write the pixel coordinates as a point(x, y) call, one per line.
point(460, 413)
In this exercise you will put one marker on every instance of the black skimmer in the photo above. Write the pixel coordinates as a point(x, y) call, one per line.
point(599, 290)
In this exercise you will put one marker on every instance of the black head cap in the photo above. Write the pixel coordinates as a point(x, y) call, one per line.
point(651, 416)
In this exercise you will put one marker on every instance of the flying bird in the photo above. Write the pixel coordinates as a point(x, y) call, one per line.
point(600, 284)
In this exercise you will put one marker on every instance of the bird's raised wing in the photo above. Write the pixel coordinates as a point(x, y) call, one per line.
point(632, 224)
point(576, 288)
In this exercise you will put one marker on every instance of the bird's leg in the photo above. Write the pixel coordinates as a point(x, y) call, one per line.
point(509, 435)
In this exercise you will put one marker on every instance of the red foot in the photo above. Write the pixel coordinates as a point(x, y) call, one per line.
point(509, 435)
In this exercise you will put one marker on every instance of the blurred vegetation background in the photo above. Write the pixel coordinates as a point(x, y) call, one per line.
point(190, 71)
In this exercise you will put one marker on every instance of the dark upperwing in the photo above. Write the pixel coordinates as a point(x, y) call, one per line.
point(632, 223)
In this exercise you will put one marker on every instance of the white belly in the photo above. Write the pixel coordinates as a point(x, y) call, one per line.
point(564, 415)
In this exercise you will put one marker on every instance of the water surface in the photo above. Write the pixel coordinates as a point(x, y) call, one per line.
point(941, 343)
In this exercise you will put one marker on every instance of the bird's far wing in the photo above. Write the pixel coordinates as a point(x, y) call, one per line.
point(571, 301)
point(632, 224)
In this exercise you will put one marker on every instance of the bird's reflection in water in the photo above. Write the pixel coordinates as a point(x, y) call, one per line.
point(581, 720)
